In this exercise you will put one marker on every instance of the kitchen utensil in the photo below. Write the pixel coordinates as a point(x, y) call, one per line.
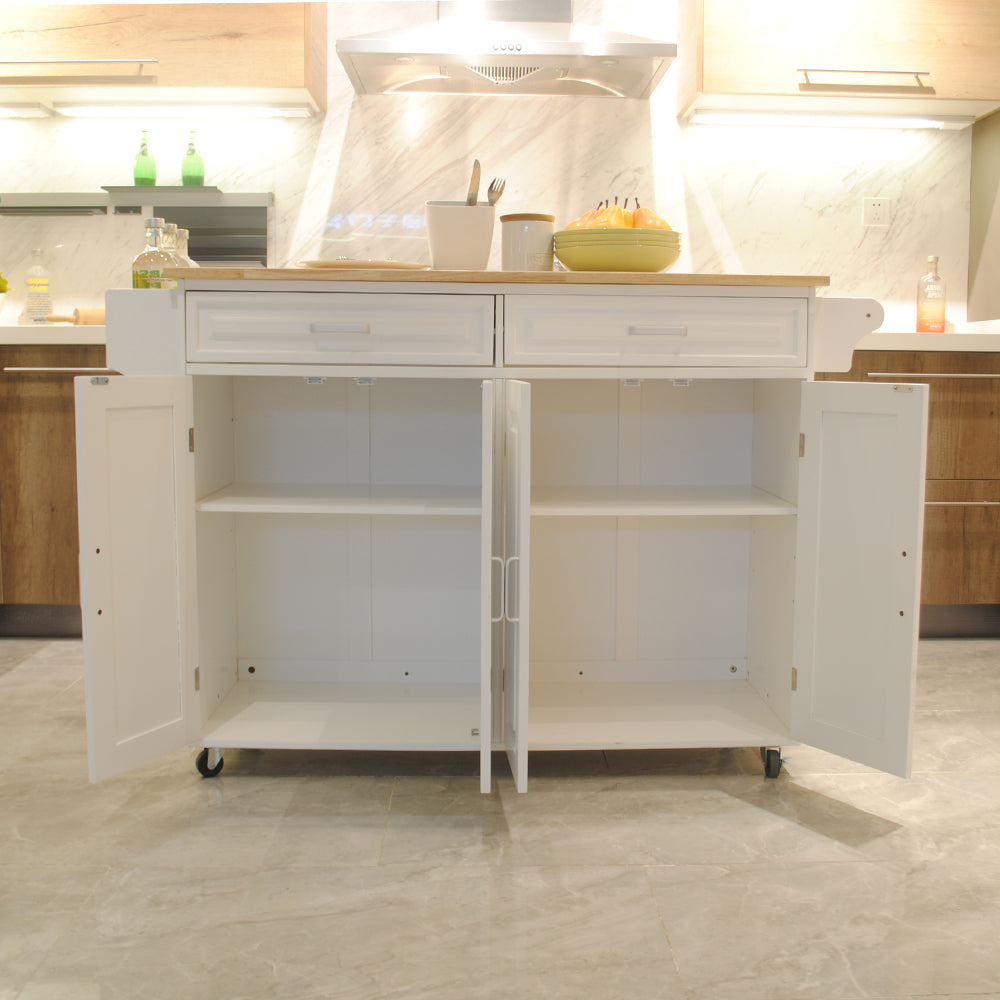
point(525, 240)
point(459, 235)
point(81, 317)
point(495, 189)
point(473, 196)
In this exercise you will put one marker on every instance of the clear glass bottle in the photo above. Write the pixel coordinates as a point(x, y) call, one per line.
point(182, 248)
point(170, 243)
point(192, 166)
point(931, 300)
point(144, 171)
point(148, 266)
point(38, 303)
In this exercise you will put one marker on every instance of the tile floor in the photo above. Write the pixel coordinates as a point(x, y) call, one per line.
point(665, 876)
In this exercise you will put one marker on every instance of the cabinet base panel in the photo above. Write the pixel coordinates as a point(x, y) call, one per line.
point(960, 621)
point(42, 621)
point(671, 715)
point(279, 715)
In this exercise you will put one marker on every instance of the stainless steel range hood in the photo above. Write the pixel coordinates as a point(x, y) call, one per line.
point(501, 55)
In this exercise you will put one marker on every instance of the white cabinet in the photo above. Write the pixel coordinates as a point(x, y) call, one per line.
point(476, 558)
point(315, 573)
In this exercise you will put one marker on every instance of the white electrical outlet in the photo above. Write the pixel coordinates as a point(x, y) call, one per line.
point(876, 211)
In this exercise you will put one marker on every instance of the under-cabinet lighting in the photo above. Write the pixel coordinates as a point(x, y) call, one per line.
point(184, 110)
point(24, 111)
point(826, 121)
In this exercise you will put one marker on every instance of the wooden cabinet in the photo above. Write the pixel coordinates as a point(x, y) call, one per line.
point(907, 54)
point(271, 46)
point(38, 512)
point(962, 519)
point(479, 557)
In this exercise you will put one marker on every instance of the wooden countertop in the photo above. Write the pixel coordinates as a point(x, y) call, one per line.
point(492, 277)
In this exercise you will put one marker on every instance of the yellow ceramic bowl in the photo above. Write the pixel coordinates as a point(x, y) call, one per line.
point(622, 235)
point(618, 257)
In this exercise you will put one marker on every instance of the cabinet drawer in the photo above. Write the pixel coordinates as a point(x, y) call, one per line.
point(618, 330)
point(339, 328)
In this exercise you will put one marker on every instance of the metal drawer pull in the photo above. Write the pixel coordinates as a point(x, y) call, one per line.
point(917, 86)
point(503, 588)
point(657, 331)
point(362, 328)
point(930, 375)
point(962, 503)
point(506, 592)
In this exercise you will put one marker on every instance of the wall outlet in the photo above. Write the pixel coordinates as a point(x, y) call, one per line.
point(876, 211)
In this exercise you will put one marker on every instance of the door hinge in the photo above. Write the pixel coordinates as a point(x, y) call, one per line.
point(197, 678)
point(802, 445)
point(190, 439)
point(795, 678)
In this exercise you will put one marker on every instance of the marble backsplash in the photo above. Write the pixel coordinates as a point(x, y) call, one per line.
point(353, 182)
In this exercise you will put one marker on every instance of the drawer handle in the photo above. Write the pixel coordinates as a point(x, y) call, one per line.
point(321, 328)
point(919, 375)
point(657, 331)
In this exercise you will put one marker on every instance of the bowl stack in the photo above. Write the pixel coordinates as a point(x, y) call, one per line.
point(617, 249)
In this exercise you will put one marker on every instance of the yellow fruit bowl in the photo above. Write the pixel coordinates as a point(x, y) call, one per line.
point(618, 256)
point(567, 236)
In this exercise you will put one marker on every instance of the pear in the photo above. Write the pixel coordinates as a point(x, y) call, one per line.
point(646, 218)
point(586, 220)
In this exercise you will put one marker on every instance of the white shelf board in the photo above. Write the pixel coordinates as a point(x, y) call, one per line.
point(278, 498)
point(323, 715)
point(644, 501)
point(636, 715)
point(49, 334)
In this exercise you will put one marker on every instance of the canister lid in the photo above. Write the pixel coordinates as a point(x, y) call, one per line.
point(527, 217)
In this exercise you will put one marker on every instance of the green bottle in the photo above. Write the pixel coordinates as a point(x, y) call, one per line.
point(193, 167)
point(144, 173)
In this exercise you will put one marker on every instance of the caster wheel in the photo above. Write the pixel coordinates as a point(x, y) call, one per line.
point(771, 756)
point(202, 764)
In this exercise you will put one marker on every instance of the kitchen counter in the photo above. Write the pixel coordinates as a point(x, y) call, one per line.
point(58, 334)
point(952, 341)
point(492, 277)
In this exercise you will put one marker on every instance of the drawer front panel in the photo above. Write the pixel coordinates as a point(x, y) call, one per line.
point(339, 328)
point(628, 330)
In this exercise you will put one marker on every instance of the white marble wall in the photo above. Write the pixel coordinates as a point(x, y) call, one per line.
point(353, 183)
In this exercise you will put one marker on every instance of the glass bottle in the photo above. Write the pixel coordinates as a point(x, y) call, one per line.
point(182, 248)
point(169, 243)
point(144, 172)
point(148, 266)
point(192, 166)
point(38, 303)
point(931, 300)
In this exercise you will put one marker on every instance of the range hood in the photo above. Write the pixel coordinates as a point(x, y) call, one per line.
point(505, 52)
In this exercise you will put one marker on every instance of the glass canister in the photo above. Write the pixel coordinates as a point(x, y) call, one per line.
point(526, 241)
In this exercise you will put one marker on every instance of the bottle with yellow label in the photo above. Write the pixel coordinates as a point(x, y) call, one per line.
point(931, 300)
point(38, 304)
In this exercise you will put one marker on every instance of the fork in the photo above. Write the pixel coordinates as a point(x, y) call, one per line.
point(495, 189)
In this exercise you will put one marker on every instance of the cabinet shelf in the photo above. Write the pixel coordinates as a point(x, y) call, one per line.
point(646, 501)
point(294, 715)
point(597, 715)
point(276, 498)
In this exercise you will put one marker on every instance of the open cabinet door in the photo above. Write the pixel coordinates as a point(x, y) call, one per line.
point(486, 594)
point(517, 521)
point(860, 524)
point(135, 483)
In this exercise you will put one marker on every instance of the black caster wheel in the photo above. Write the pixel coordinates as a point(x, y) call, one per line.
point(202, 764)
point(771, 757)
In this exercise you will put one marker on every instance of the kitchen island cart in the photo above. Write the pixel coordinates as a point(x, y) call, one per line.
point(472, 511)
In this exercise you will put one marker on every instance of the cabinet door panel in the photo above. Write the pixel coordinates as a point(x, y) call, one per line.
point(136, 568)
point(860, 521)
point(517, 514)
point(486, 593)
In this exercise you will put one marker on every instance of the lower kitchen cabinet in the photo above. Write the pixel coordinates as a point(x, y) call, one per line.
point(960, 588)
point(39, 579)
point(411, 558)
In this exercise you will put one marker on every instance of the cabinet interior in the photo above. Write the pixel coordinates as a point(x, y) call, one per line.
point(339, 548)
point(662, 544)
